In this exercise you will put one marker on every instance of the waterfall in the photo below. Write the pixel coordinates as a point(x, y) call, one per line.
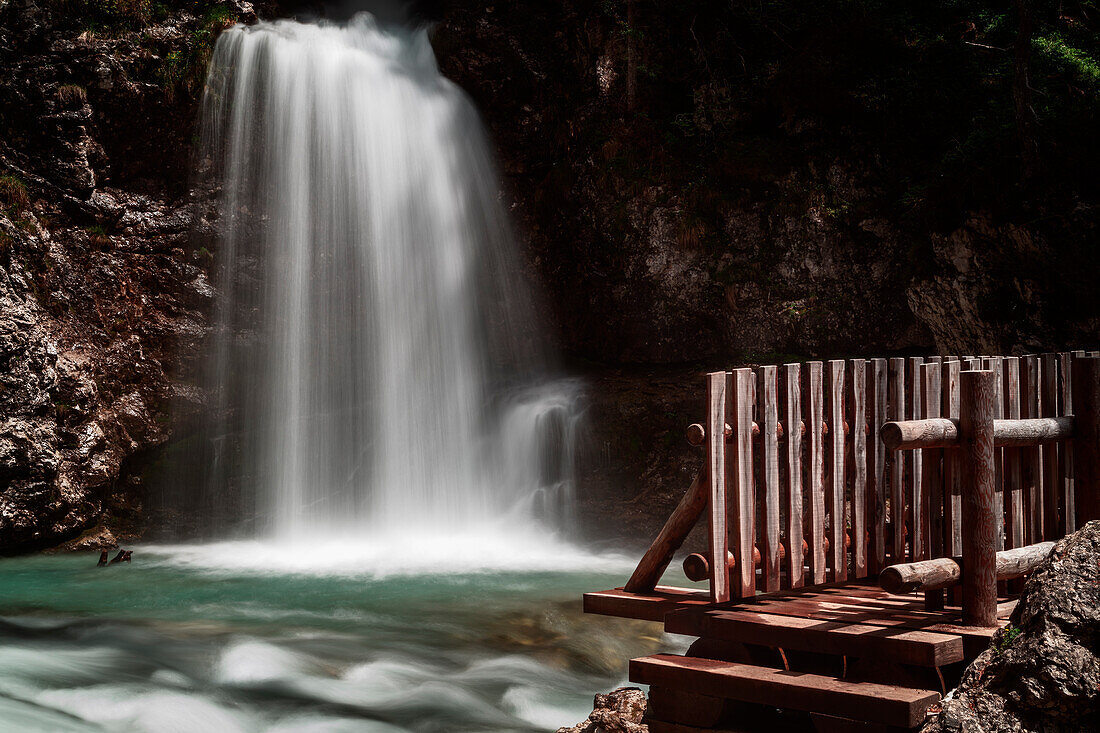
point(376, 365)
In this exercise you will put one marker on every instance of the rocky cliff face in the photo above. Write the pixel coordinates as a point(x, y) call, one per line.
point(102, 285)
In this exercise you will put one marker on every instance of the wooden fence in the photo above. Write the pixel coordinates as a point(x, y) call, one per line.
point(798, 486)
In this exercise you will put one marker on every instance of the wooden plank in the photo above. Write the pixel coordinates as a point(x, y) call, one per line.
point(993, 364)
point(717, 400)
point(1031, 463)
point(979, 517)
point(835, 488)
point(652, 606)
point(768, 418)
point(916, 513)
point(813, 396)
point(683, 708)
point(923, 648)
point(1013, 467)
point(869, 701)
point(897, 460)
point(792, 453)
point(857, 419)
point(1086, 400)
point(952, 472)
point(742, 495)
point(1049, 407)
point(1065, 465)
point(932, 477)
point(876, 472)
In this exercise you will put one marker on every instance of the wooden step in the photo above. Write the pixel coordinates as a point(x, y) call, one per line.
point(924, 648)
point(874, 703)
point(645, 606)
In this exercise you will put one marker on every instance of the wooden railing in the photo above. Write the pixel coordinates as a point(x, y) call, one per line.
point(851, 494)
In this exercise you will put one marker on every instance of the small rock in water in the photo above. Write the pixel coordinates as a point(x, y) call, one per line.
point(102, 558)
point(619, 711)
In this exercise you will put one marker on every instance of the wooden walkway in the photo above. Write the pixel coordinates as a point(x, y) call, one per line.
point(822, 650)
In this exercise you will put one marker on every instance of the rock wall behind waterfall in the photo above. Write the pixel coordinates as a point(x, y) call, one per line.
point(103, 293)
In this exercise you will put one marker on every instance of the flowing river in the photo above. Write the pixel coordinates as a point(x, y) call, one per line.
point(218, 638)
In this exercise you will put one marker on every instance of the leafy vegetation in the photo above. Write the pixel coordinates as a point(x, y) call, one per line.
point(13, 194)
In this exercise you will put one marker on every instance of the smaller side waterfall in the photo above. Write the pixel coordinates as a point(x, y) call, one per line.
point(377, 366)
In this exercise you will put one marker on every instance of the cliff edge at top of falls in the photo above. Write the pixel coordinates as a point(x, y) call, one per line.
point(103, 293)
point(1042, 671)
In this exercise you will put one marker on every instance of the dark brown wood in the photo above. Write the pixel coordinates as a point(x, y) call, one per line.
point(1048, 404)
point(1086, 449)
point(814, 400)
point(932, 478)
point(838, 558)
point(914, 464)
point(742, 496)
point(873, 702)
point(979, 580)
point(896, 458)
point(993, 364)
point(876, 471)
point(651, 606)
point(695, 712)
point(922, 648)
point(792, 486)
point(768, 416)
point(717, 400)
point(1013, 469)
point(1031, 458)
point(857, 465)
point(952, 470)
point(1066, 466)
point(943, 572)
point(652, 565)
point(943, 432)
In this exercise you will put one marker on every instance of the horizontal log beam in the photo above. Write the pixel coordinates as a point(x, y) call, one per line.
point(944, 572)
point(944, 432)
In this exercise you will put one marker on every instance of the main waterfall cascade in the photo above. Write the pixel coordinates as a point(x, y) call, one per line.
point(377, 368)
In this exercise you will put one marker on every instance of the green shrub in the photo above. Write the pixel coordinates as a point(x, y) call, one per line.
point(13, 193)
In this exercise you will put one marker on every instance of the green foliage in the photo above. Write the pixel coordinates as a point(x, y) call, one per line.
point(1008, 637)
point(184, 71)
point(13, 193)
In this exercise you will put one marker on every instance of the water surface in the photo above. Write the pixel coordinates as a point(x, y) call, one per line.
point(182, 641)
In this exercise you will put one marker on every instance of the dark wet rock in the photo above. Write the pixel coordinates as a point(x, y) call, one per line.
point(104, 287)
point(1042, 672)
point(619, 711)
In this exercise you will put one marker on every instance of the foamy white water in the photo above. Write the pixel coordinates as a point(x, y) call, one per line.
point(378, 369)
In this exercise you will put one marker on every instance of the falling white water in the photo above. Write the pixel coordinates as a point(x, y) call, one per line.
point(377, 369)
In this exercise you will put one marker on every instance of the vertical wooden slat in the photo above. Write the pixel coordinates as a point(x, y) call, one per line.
point(1065, 479)
point(767, 389)
point(857, 420)
point(716, 479)
point(932, 477)
point(916, 503)
point(993, 364)
point(952, 473)
point(838, 557)
point(813, 396)
point(792, 452)
point(1013, 470)
point(1048, 405)
point(742, 524)
point(876, 473)
point(897, 458)
point(1031, 457)
point(1086, 419)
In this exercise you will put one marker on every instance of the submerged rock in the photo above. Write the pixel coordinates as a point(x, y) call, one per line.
point(1042, 672)
point(619, 711)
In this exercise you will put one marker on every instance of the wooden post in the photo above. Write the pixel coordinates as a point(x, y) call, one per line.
point(792, 500)
point(1086, 437)
point(739, 483)
point(716, 483)
point(979, 578)
point(652, 565)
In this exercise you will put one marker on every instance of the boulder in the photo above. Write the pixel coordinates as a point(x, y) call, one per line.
point(619, 711)
point(1042, 671)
